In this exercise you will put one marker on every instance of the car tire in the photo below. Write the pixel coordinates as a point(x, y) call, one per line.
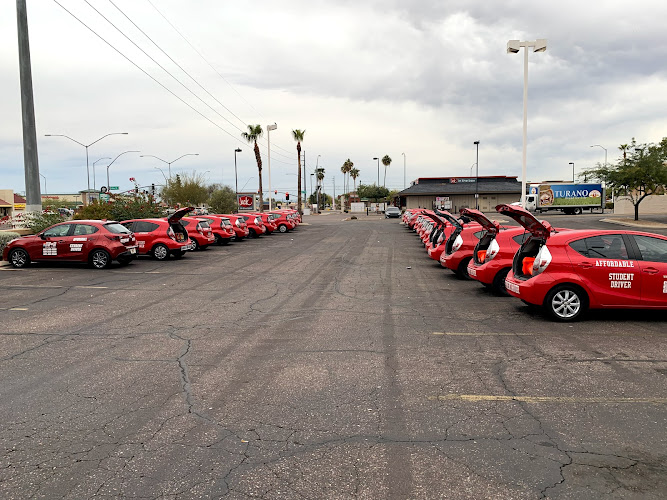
point(160, 252)
point(203, 247)
point(282, 228)
point(499, 282)
point(19, 258)
point(124, 261)
point(566, 302)
point(462, 271)
point(178, 254)
point(100, 259)
point(195, 244)
point(253, 234)
point(577, 211)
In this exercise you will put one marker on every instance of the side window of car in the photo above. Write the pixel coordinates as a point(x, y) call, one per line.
point(84, 229)
point(519, 239)
point(652, 249)
point(186, 223)
point(57, 231)
point(605, 246)
point(128, 225)
point(143, 226)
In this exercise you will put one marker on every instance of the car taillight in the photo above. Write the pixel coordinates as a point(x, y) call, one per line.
point(199, 228)
point(171, 234)
point(238, 224)
point(492, 251)
point(542, 261)
point(113, 237)
point(441, 238)
point(457, 243)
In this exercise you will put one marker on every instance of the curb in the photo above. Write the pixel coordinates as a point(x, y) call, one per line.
point(654, 225)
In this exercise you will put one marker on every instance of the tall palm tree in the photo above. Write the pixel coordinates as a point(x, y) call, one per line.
point(298, 137)
point(255, 132)
point(320, 178)
point(354, 173)
point(347, 166)
point(386, 161)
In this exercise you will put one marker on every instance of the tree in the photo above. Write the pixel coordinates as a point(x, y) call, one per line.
point(223, 201)
point(346, 168)
point(641, 172)
point(372, 192)
point(319, 174)
point(386, 161)
point(186, 189)
point(298, 137)
point(354, 173)
point(255, 132)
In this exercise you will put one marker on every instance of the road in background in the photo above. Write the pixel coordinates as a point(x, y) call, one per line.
point(334, 361)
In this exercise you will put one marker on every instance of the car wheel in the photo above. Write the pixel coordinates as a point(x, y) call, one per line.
point(282, 228)
point(178, 254)
point(195, 244)
point(462, 271)
point(19, 258)
point(253, 234)
point(203, 247)
point(124, 261)
point(499, 282)
point(578, 211)
point(566, 302)
point(160, 252)
point(100, 259)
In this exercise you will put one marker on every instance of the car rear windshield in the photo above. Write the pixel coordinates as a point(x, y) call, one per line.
point(114, 227)
point(204, 223)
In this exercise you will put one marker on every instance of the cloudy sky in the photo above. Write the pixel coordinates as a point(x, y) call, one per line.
point(365, 78)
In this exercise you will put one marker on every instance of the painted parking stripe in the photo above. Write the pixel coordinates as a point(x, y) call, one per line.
point(474, 398)
point(480, 334)
point(56, 286)
point(18, 309)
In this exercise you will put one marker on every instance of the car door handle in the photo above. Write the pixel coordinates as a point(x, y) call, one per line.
point(586, 265)
point(650, 270)
point(61, 241)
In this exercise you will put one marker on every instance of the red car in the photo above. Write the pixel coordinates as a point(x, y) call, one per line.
point(571, 271)
point(238, 224)
point(459, 245)
point(284, 221)
point(199, 231)
point(267, 220)
point(97, 242)
point(222, 229)
point(161, 238)
point(255, 224)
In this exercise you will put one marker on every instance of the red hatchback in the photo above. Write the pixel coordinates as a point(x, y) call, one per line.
point(221, 226)
point(571, 271)
point(161, 238)
point(97, 242)
point(459, 245)
point(238, 224)
point(199, 231)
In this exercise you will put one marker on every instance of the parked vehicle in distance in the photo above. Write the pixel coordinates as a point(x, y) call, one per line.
point(284, 221)
point(394, 212)
point(460, 244)
point(267, 220)
point(569, 272)
point(199, 231)
point(221, 226)
point(161, 238)
point(238, 224)
point(568, 197)
point(255, 224)
point(97, 242)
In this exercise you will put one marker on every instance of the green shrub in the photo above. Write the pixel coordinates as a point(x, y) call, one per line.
point(41, 220)
point(6, 237)
point(94, 211)
point(122, 207)
point(609, 205)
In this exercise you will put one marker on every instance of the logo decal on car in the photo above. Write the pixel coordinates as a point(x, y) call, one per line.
point(621, 280)
point(614, 263)
point(75, 247)
point(50, 248)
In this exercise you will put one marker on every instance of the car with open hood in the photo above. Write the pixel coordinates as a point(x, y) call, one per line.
point(97, 242)
point(569, 272)
point(161, 238)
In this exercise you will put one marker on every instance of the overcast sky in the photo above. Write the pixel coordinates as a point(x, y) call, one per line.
point(365, 78)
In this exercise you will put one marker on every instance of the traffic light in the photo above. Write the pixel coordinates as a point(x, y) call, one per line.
point(153, 189)
point(275, 192)
point(286, 196)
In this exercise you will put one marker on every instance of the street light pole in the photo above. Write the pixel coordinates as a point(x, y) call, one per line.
point(86, 146)
point(605, 152)
point(378, 159)
point(572, 163)
point(168, 162)
point(94, 163)
point(513, 46)
point(162, 172)
point(404, 184)
point(114, 161)
point(236, 175)
point(44, 177)
point(269, 128)
point(311, 188)
point(476, 143)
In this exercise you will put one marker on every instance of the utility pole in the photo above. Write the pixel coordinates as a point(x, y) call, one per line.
point(30, 159)
point(333, 200)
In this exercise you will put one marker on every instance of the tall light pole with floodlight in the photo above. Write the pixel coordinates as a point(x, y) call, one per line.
point(404, 184)
point(169, 162)
point(124, 152)
point(236, 174)
point(476, 143)
point(514, 46)
point(378, 159)
point(269, 128)
point(86, 146)
point(605, 152)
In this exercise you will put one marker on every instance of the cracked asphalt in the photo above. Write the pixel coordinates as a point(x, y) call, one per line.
point(336, 361)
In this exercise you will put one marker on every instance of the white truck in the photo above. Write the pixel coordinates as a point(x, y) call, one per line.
point(570, 198)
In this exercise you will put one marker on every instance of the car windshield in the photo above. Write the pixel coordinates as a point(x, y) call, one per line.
point(114, 227)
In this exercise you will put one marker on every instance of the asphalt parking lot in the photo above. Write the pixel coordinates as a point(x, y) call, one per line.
point(336, 361)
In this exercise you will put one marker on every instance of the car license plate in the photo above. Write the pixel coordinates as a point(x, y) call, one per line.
point(472, 271)
point(512, 287)
point(187, 247)
point(133, 250)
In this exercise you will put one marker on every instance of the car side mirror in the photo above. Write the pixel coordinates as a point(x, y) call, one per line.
point(42, 236)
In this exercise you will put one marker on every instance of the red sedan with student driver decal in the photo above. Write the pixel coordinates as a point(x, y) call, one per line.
point(568, 272)
point(97, 242)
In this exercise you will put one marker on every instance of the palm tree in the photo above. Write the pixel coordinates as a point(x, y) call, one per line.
point(386, 161)
point(354, 173)
point(255, 132)
point(320, 178)
point(298, 137)
point(347, 166)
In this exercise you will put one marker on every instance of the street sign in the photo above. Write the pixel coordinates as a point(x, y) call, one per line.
point(113, 188)
point(104, 197)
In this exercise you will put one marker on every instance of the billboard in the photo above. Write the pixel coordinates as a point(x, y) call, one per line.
point(247, 201)
point(568, 194)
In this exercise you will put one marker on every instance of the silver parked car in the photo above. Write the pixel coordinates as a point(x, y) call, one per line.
point(392, 212)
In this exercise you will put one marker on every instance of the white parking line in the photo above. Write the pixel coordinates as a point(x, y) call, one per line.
point(480, 334)
point(546, 399)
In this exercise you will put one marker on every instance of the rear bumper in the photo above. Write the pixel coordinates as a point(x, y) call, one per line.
point(532, 290)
